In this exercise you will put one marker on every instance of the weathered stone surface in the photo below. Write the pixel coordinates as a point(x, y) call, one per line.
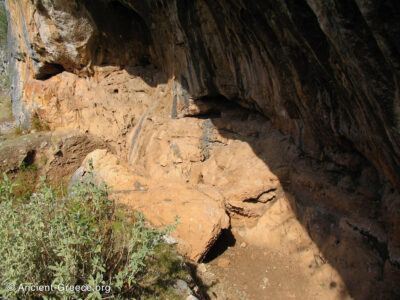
point(201, 218)
point(286, 59)
point(160, 81)
point(56, 155)
point(65, 35)
point(290, 59)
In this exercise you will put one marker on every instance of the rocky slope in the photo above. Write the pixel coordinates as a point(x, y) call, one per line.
point(234, 106)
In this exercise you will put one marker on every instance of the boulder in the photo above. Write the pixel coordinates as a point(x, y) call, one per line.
point(201, 218)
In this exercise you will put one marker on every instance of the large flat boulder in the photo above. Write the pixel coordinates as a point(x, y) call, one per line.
point(201, 217)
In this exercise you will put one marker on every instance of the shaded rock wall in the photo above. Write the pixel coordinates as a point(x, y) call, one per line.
point(286, 59)
point(327, 74)
point(252, 100)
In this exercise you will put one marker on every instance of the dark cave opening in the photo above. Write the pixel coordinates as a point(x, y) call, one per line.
point(49, 70)
point(217, 106)
point(29, 159)
point(225, 240)
point(123, 36)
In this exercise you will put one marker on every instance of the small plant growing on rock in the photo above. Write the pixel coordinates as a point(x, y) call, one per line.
point(78, 241)
point(26, 167)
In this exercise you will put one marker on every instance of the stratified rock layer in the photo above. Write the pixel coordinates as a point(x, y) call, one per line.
point(248, 101)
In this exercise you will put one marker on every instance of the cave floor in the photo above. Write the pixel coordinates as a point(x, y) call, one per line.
point(249, 272)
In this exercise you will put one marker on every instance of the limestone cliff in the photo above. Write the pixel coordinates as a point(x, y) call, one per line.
point(246, 102)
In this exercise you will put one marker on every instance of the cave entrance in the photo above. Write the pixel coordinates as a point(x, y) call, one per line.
point(226, 239)
point(29, 159)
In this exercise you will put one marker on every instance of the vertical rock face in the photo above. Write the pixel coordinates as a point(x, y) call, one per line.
point(248, 100)
point(289, 60)
point(286, 59)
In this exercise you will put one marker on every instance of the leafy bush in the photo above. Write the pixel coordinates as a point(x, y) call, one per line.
point(25, 181)
point(81, 240)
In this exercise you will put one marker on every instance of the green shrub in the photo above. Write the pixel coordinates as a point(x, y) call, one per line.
point(25, 180)
point(25, 167)
point(81, 240)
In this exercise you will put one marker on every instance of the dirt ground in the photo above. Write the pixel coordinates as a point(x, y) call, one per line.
point(236, 270)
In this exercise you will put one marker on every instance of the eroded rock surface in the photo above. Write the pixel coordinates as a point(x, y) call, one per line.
point(285, 59)
point(201, 218)
point(56, 155)
point(233, 106)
